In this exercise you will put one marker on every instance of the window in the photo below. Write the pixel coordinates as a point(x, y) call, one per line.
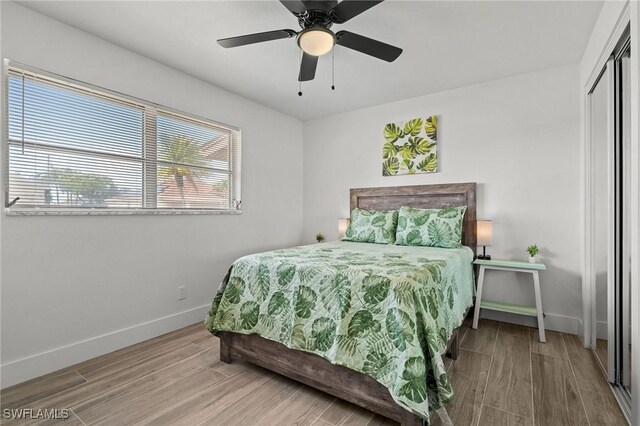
point(74, 148)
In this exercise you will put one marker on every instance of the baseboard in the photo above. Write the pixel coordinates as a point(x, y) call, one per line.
point(32, 366)
point(555, 322)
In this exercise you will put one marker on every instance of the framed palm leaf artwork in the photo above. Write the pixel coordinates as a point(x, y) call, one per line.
point(410, 147)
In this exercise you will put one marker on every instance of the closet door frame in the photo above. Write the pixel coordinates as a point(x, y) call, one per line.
point(588, 223)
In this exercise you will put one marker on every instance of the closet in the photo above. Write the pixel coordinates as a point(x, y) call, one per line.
point(610, 147)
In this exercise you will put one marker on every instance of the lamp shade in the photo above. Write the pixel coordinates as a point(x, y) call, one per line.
point(343, 224)
point(485, 232)
point(316, 41)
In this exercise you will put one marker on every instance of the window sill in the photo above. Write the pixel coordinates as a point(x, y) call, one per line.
point(115, 212)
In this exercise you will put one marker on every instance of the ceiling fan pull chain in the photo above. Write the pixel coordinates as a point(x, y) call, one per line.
point(333, 68)
point(299, 81)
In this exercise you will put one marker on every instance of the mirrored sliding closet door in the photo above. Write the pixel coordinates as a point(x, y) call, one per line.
point(609, 134)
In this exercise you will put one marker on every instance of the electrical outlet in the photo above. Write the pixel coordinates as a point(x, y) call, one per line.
point(182, 292)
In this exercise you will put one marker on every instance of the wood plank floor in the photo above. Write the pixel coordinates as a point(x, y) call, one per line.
point(504, 376)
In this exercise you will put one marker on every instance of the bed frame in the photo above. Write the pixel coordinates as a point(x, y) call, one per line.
point(339, 381)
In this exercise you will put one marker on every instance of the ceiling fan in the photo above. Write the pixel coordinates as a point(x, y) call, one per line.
point(316, 39)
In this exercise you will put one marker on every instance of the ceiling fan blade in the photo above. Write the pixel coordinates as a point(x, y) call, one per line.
point(368, 46)
point(294, 6)
point(308, 67)
point(348, 9)
point(256, 38)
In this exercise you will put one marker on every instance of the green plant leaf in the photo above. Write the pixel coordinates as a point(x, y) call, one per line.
point(434, 270)
point(392, 132)
point(429, 164)
point(277, 303)
point(409, 165)
point(442, 333)
point(449, 212)
point(406, 152)
point(267, 321)
point(362, 323)
point(305, 301)
point(324, 332)
point(389, 149)
point(413, 127)
point(234, 290)
point(259, 287)
point(400, 328)
point(298, 338)
point(402, 223)
point(376, 288)
point(339, 292)
point(226, 320)
point(285, 274)
point(414, 373)
point(432, 300)
point(414, 238)
point(249, 313)
point(379, 220)
point(420, 218)
point(420, 146)
point(431, 127)
point(390, 166)
point(347, 344)
point(439, 233)
point(404, 293)
point(377, 364)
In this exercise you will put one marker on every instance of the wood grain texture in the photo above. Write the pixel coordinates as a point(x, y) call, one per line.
point(188, 385)
point(509, 384)
point(21, 395)
point(468, 378)
point(514, 330)
point(554, 346)
point(306, 407)
point(556, 399)
point(343, 413)
point(493, 417)
point(482, 339)
point(602, 408)
point(423, 197)
point(587, 371)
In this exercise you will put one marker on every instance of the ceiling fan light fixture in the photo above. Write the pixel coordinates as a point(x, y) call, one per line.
point(316, 41)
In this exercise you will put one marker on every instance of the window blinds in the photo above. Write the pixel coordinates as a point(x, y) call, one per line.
point(72, 147)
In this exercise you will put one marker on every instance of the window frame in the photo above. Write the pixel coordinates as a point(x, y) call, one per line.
point(151, 112)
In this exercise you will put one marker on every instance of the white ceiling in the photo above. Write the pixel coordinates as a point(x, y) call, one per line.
point(446, 44)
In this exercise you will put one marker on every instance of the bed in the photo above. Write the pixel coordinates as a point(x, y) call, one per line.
point(368, 323)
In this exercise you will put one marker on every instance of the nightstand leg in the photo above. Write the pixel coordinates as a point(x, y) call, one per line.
point(476, 311)
point(536, 285)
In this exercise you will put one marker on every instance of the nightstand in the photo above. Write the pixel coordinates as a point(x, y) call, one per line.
point(513, 266)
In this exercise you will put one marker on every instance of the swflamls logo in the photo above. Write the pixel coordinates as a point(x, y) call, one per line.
point(39, 414)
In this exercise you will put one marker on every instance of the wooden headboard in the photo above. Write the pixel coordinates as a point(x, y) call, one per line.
point(423, 197)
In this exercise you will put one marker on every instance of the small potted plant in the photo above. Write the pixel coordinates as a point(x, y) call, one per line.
point(533, 251)
point(319, 237)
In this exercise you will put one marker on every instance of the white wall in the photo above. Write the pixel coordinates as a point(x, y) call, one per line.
point(75, 287)
point(518, 138)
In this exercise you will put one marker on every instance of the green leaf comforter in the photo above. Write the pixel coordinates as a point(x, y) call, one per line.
point(384, 310)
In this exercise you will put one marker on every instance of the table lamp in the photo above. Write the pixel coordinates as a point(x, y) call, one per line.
point(485, 233)
point(343, 224)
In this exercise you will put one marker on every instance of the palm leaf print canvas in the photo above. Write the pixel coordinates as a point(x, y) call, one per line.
point(410, 147)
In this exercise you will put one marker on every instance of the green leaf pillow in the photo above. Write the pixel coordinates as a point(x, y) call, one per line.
point(371, 226)
point(430, 227)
